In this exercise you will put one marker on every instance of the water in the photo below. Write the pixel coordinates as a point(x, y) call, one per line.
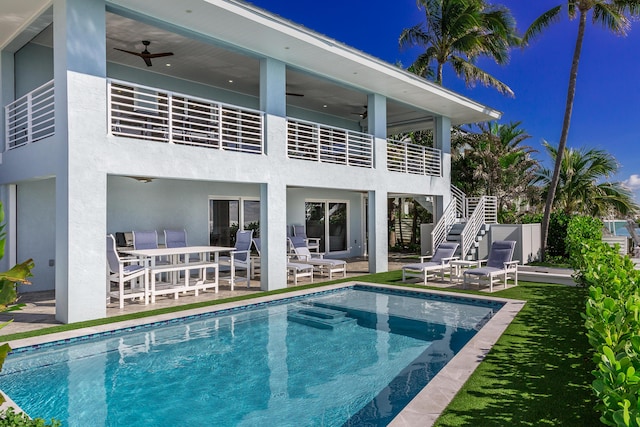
point(251, 367)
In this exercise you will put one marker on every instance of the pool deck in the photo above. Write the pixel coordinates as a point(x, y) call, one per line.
point(423, 410)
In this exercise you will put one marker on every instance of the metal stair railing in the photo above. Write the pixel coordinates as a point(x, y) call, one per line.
point(473, 226)
point(441, 229)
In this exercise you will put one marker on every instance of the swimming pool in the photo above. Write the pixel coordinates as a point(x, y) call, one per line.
point(352, 356)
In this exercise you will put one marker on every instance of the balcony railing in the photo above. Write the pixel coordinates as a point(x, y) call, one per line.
point(325, 144)
point(152, 114)
point(411, 158)
point(31, 117)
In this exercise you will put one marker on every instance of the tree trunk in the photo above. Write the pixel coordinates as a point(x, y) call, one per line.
point(571, 93)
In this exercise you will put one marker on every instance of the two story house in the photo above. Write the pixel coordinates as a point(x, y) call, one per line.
point(207, 115)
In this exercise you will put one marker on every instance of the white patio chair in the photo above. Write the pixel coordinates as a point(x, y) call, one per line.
point(241, 256)
point(123, 270)
point(440, 261)
point(295, 269)
point(324, 265)
point(498, 264)
point(313, 243)
point(178, 239)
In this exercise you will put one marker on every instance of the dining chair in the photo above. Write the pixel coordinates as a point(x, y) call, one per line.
point(129, 269)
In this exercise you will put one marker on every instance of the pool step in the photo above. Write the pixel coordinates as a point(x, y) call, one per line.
point(321, 318)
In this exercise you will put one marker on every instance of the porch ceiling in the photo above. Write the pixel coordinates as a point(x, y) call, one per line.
point(221, 42)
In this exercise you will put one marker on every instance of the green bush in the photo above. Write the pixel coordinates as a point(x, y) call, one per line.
point(557, 235)
point(612, 320)
point(10, 418)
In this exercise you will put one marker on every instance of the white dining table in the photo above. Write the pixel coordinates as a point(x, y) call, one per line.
point(180, 260)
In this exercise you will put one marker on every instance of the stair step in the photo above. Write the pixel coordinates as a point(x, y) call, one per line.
point(319, 322)
point(322, 313)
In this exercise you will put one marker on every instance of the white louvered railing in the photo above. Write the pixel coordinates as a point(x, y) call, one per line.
point(31, 117)
point(320, 143)
point(153, 114)
point(406, 157)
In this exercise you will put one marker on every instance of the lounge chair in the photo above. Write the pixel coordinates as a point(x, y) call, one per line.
point(313, 243)
point(324, 265)
point(123, 270)
point(295, 269)
point(499, 264)
point(241, 256)
point(440, 261)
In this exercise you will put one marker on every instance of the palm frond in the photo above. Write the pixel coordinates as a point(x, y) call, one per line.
point(611, 17)
point(540, 24)
point(472, 74)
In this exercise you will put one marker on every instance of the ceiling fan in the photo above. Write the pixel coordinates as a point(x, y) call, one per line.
point(145, 54)
point(294, 94)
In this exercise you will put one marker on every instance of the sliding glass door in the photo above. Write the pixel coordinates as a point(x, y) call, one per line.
point(327, 220)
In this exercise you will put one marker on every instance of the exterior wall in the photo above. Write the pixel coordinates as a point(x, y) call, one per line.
point(74, 187)
point(36, 232)
point(527, 237)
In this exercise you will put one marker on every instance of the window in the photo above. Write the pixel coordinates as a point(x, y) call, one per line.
point(226, 216)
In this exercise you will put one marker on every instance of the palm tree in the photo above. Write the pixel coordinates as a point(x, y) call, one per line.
point(611, 14)
point(581, 187)
point(459, 32)
point(498, 164)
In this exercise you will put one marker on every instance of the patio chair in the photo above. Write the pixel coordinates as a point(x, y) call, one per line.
point(123, 270)
point(148, 240)
point(178, 239)
point(241, 256)
point(498, 264)
point(440, 261)
point(295, 269)
point(324, 265)
point(313, 243)
point(145, 239)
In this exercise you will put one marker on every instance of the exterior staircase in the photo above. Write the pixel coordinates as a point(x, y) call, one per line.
point(466, 221)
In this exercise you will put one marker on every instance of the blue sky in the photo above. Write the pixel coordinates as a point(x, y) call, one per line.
point(607, 104)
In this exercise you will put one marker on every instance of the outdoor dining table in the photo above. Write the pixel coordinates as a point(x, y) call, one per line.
point(180, 260)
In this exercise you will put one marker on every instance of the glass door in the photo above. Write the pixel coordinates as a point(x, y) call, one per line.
point(226, 216)
point(327, 221)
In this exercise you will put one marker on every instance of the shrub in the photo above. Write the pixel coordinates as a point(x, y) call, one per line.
point(557, 235)
point(612, 320)
point(9, 418)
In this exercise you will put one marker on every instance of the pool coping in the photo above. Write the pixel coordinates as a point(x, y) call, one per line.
point(428, 404)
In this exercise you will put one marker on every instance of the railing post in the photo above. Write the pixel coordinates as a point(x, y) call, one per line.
point(170, 117)
point(30, 118)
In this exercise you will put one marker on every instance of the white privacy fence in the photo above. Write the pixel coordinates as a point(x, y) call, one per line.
point(415, 159)
point(152, 114)
point(325, 144)
point(31, 117)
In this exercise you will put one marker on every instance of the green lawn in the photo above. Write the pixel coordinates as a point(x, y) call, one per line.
point(537, 374)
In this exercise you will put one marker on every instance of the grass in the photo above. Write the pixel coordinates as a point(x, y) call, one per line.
point(537, 374)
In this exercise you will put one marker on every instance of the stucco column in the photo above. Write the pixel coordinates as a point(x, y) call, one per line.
point(273, 224)
point(442, 141)
point(377, 124)
point(378, 246)
point(81, 187)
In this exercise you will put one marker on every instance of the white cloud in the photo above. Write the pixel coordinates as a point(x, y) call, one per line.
point(633, 183)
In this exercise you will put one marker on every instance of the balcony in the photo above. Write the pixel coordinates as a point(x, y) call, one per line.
point(318, 143)
point(152, 114)
point(30, 118)
point(415, 159)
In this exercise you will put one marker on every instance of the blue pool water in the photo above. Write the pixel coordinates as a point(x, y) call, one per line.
point(354, 356)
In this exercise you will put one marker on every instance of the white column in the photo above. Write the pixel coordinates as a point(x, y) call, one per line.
point(273, 223)
point(8, 198)
point(7, 88)
point(442, 140)
point(377, 124)
point(378, 238)
point(273, 84)
point(81, 187)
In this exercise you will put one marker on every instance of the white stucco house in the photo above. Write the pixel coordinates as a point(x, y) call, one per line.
point(253, 120)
